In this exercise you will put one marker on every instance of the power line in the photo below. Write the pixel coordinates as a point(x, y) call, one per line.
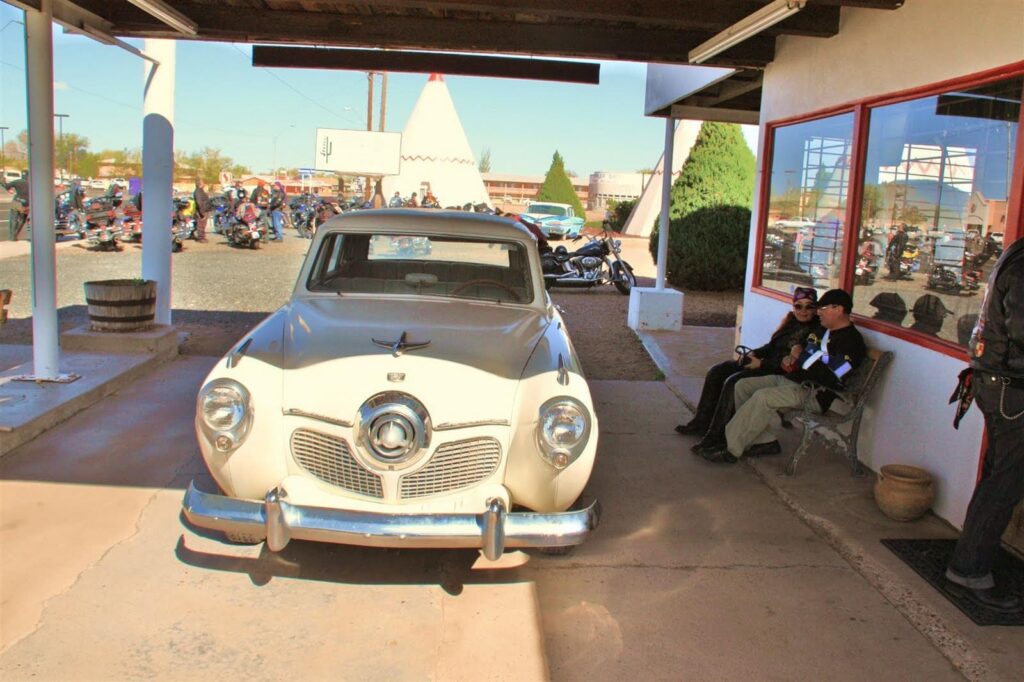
point(292, 87)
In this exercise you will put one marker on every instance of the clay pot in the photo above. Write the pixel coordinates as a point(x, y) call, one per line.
point(904, 493)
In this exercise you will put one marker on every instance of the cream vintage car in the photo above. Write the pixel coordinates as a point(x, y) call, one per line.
point(419, 390)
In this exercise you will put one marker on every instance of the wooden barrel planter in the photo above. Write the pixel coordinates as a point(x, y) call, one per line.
point(121, 305)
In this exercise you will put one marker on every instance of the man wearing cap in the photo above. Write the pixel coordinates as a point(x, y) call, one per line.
point(818, 367)
point(997, 359)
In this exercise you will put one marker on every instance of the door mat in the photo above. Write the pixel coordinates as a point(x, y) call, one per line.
point(929, 558)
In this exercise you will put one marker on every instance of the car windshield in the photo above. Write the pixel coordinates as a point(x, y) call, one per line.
point(546, 209)
point(401, 264)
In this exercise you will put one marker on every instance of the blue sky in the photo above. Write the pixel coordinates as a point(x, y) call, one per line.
point(256, 114)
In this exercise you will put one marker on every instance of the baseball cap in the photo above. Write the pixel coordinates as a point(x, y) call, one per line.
point(836, 297)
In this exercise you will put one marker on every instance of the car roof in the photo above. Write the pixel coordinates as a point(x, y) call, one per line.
point(421, 220)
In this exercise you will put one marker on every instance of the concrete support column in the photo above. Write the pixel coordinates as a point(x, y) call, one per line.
point(666, 201)
point(39, 66)
point(158, 171)
point(659, 309)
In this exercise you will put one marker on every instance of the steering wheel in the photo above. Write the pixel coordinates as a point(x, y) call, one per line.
point(745, 355)
point(490, 282)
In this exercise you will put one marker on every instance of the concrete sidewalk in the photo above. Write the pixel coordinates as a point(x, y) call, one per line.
point(697, 571)
point(840, 509)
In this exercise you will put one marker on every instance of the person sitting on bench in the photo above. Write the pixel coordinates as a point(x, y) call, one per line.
point(715, 407)
point(818, 363)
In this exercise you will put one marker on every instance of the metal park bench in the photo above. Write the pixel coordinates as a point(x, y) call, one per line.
point(858, 389)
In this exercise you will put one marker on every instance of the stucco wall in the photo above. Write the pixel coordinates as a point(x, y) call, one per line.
point(878, 52)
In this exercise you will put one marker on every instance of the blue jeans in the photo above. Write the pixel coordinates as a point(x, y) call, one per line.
point(277, 217)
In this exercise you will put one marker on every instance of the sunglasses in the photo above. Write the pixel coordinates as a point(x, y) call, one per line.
point(805, 306)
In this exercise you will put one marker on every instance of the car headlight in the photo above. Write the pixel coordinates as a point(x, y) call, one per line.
point(225, 410)
point(562, 431)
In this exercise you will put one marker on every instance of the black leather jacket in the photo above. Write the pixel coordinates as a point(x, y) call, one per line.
point(997, 344)
point(784, 338)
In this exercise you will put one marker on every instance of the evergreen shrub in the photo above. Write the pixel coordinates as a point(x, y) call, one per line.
point(709, 213)
point(557, 187)
point(618, 213)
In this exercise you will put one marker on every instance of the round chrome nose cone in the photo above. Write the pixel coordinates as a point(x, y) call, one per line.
point(393, 428)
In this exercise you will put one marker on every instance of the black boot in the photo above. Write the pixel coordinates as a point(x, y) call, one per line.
point(711, 441)
point(692, 428)
point(986, 597)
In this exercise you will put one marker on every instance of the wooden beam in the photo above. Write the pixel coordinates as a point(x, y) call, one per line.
point(727, 90)
point(451, 34)
point(863, 4)
point(426, 62)
point(683, 111)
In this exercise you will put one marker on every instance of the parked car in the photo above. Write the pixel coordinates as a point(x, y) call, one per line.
point(97, 184)
point(557, 221)
point(794, 222)
point(416, 398)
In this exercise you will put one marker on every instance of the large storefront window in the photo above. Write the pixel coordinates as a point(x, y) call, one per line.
point(936, 184)
point(806, 221)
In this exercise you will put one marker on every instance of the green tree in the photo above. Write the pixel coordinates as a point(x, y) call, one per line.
point(68, 149)
point(484, 166)
point(618, 213)
point(557, 186)
point(709, 212)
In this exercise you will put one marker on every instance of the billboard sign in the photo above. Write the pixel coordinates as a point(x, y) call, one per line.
point(358, 152)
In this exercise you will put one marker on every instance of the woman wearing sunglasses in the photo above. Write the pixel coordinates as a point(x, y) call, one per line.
point(716, 399)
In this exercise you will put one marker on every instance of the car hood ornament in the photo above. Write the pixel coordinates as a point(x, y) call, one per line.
point(401, 345)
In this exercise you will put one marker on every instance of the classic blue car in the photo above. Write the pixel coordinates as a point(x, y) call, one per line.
point(557, 221)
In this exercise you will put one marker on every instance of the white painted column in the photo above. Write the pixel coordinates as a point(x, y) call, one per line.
point(659, 308)
point(158, 171)
point(666, 201)
point(39, 66)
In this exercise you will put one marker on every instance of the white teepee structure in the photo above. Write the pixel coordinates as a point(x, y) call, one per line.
point(641, 221)
point(436, 154)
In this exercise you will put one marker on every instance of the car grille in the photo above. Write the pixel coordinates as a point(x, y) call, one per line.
point(328, 458)
point(454, 465)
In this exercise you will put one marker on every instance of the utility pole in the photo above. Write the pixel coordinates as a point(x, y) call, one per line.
point(369, 125)
point(3, 152)
point(383, 99)
point(60, 142)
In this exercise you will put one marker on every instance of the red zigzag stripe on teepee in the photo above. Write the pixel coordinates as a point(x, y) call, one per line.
point(445, 159)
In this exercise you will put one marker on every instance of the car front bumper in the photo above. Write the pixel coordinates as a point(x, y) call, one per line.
point(279, 522)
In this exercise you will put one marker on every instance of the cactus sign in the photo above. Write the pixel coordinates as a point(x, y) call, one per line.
point(358, 152)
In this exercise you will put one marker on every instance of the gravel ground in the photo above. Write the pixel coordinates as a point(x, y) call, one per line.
point(221, 292)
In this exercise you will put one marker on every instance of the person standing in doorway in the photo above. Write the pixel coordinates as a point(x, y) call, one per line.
point(997, 360)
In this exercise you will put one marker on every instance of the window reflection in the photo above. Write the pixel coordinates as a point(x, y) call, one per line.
point(936, 183)
point(810, 176)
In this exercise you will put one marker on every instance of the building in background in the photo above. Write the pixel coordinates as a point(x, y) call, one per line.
point(511, 190)
point(608, 186)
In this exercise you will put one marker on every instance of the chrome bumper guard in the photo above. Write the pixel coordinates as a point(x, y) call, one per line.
point(492, 531)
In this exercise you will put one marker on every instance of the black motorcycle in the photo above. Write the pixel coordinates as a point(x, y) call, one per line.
point(952, 280)
point(597, 262)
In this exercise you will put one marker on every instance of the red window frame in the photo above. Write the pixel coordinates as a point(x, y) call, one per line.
point(861, 116)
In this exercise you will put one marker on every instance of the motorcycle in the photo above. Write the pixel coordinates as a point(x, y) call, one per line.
point(247, 230)
point(183, 222)
point(951, 280)
point(865, 271)
point(596, 262)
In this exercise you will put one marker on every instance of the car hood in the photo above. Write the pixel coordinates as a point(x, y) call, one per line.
point(468, 372)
